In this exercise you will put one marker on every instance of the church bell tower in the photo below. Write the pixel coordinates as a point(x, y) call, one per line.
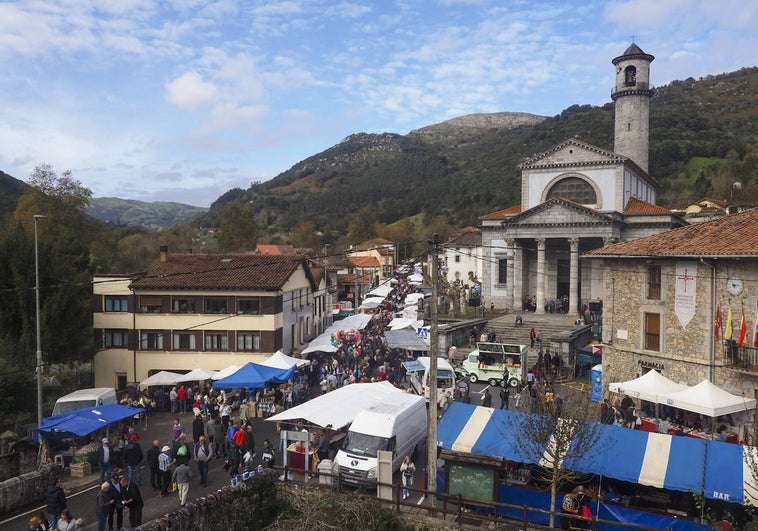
point(631, 97)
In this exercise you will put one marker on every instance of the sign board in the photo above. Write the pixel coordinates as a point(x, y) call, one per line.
point(422, 332)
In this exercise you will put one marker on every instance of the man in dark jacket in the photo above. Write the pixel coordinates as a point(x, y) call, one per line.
point(117, 507)
point(55, 499)
point(198, 428)
point(152, 462)
point(133, 500)
point(133, 458)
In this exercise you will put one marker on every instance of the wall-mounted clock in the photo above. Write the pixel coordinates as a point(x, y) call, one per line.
point(734, 285)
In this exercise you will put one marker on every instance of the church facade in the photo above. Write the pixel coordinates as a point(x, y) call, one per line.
point(576, 197)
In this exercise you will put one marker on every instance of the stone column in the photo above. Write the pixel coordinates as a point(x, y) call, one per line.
point(574, 276)
point(540, 276)
point(510, 296)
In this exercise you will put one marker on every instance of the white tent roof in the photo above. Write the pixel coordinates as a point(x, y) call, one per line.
point(280, 360)
point(413, 298)
point(651, 386)
point(416, 278)
point(708, 399)
point(380, 291)
point(371, 303)
point(340, 407)
point(323, 343)
point(398, 323)
point(161, 378)
point(197, 375)
point(227, 371)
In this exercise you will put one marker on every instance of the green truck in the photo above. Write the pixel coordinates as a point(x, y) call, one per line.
point(497, 363)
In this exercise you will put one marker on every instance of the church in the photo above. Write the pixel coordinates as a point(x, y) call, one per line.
point(575, 198)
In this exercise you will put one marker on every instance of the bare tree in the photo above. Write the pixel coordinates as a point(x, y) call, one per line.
point(558, 430)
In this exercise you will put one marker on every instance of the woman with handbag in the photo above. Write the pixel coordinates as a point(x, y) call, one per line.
point(407, 469)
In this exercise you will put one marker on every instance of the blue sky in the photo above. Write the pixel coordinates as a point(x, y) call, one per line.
point(182, 100)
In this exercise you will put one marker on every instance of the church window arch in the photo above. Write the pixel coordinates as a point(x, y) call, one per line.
point(630, 76)
point(574, 189)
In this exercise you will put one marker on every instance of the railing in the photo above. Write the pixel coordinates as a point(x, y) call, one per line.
point(631, 88)
point(739, 357)
point(450, 505)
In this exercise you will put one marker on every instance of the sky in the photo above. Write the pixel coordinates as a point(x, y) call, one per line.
point(183, 100)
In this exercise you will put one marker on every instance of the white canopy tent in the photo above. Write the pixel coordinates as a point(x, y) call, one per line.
point(651, 386)
point(379, 292)
point(161, 378)
point(323, 343)
point(197, 375)
point(708, 399)
point(227, 371)
point(340, 407)
point(280, 360)
point(398, 323)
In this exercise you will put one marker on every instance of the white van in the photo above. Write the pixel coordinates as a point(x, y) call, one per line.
point(82, 398)
point(418, 376)
point(397, 425)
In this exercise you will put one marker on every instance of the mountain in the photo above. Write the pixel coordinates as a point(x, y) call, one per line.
point(703, 138)
point(157, 215)
point(10, 190)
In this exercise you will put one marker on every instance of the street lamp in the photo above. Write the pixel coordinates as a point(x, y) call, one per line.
point(37, 217)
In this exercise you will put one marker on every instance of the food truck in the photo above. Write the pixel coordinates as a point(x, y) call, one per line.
point(492, 361)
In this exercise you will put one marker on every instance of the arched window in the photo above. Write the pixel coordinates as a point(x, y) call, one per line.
point(574, 189)
point(630, 76)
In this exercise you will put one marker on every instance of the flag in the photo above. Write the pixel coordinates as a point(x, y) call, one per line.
point(717, 322)
point(728, 329)
point(755, 332)
point(742, 337)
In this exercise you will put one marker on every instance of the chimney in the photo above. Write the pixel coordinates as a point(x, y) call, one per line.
point(164, 254)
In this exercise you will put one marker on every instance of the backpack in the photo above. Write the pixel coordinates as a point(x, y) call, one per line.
point(570, 504)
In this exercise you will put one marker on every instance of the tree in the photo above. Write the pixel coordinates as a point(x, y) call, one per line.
point(362, 227)
point(237, 230)
point(555, 434)
point(304, 235)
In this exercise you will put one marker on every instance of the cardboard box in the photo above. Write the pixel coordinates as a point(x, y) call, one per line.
point(81, 469)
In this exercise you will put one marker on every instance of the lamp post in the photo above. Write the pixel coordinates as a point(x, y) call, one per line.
point(37, 217)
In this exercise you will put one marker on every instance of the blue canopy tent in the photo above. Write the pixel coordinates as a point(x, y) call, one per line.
point(86, 420)
point(254, 376)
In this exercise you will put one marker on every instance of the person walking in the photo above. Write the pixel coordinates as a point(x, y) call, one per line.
point(177, 429)
point(203, 453)
point(152, 462)
point(133, 458)
point(215, 435)
point(182, 476)
point(532, 337)
point(505, 395)
point(103, 503)
point(268, 455)
point(117, 507)
point(132, 498)
point(487, 398)
point(407, 469)
point(164, 465)
point(105, 460)
point(55, 499)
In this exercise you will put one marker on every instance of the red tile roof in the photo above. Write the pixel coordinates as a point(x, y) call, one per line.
point(364, 261)
point(734, 235)
point(274, 249)
point(637, 207)
point(500, 214)
point(220, 271)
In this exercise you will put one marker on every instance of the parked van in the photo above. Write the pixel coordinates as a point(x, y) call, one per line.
point(418, 375)
point(82, 398)
point(397, 425)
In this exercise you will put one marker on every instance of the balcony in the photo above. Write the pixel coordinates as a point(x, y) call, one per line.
point(741, 358)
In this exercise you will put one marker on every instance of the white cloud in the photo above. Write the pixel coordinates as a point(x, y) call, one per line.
point(190, 91)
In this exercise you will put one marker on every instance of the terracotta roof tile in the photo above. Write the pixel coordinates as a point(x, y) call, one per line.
point(637, 207)
point(500, 214)
point(220, 271)
point(734, 235)
point(364, 261)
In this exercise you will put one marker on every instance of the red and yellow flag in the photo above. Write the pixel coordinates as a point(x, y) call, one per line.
point(728, 329)
point(717, 322)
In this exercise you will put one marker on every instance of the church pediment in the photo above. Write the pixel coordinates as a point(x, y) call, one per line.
point(572, 152)
point(559, 212)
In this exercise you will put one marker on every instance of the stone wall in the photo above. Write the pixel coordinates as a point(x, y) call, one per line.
point(22, 490)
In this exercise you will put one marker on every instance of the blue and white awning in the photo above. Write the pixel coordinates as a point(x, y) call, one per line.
point(719, 470)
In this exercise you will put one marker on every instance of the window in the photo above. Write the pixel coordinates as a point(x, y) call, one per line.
point(457, 259)
point(151, 341)
point(574, 189)
point(248, 342)
point(116, 338)
point(116, 303)
point(182, 305)
point(216, 341)
point(502, 271)
point(183, 341)
point(654, 282)
point(630, 76)
point(215, 305)
point(151, 304)
point(653, 332)
point(251, 306)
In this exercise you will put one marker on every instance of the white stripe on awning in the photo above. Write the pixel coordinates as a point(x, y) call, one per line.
point(472, 430)
point(655, 462)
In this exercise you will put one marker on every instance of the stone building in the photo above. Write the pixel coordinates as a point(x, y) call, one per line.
point(662, 294)
point(576, 197)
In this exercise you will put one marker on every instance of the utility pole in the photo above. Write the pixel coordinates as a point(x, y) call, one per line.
point(431, 436)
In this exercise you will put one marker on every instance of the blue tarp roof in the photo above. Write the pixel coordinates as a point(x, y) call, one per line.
point(87, 420)
point(718, 469)
point(254, 376)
